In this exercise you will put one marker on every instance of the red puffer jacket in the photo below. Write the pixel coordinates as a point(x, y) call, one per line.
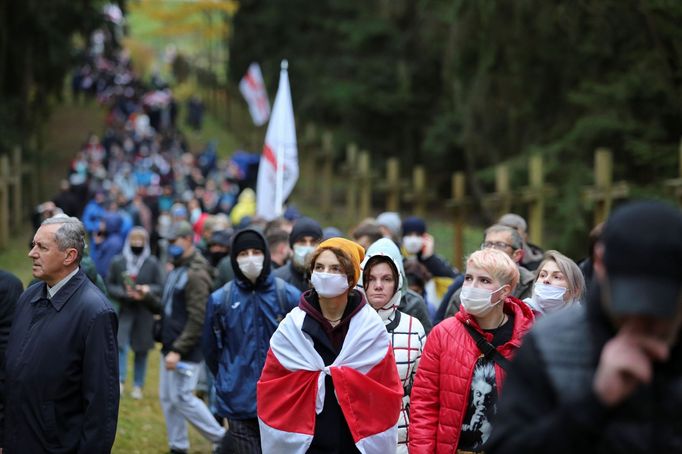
point(440, 393)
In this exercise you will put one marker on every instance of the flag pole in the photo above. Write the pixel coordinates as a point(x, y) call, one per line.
point(279, 176)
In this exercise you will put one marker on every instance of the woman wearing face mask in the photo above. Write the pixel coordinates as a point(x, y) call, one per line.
point(559, 284)
point(330, 383)
point(240, 319)
point(454, 395)
point(384, 282)
point(135, 281)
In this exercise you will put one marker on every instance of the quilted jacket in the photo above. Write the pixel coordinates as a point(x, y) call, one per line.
point(440, 393)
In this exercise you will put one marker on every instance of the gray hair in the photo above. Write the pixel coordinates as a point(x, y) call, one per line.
point(71, 234)
point(517, 241)
point(571, 271)
point(514, 221)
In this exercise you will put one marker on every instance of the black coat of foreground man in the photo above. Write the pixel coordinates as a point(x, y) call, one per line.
point(607, 377)
point(61, 393)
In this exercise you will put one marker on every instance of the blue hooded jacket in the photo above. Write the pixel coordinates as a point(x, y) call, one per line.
point(241, 317)
point(102, 254)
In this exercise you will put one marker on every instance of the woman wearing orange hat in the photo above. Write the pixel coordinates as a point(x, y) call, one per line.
point(330, 367)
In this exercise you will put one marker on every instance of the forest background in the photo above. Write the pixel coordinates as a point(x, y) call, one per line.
point(452, 85)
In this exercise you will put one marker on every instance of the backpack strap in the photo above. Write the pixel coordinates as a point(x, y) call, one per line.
point(221, 313)
point(280, 289)
point(488, 349)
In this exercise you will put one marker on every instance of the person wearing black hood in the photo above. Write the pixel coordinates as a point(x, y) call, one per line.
point(240, 318)
point(606, 376)
point(304, 238)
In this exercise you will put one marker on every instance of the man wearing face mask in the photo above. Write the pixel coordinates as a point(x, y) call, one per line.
point(219, 257)
point(417, 243)
point(304, 238)
point(240, 319)
point(185, 293)
point(606, 376)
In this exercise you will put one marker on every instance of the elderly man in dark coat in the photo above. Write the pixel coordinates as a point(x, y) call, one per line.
point(61, 393)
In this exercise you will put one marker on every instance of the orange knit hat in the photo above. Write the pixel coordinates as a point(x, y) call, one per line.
point(353, 250)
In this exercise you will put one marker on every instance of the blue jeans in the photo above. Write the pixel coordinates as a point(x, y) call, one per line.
point(140, 367)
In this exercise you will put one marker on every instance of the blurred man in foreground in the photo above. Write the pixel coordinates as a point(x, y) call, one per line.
point(607, 377)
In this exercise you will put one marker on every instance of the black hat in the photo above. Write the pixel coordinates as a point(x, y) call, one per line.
point(643, 259)
point(413, 224)
point(220, 237)
point(305, 227)
point(247, 239)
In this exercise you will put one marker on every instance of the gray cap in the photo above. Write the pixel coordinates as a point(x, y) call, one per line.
point(390, 220)
point(179, 229)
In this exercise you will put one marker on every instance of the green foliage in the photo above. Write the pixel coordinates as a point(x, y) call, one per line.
point(466, 85)
point(35, 55)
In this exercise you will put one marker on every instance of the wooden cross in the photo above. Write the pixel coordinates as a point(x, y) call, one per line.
point(604, 191)
point(535, 195)
point(675, 184)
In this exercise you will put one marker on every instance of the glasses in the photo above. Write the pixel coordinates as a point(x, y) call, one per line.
point(500, 245)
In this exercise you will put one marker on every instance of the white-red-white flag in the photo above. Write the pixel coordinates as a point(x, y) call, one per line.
point(253, 90)
point(291, 389)
point(278, 168)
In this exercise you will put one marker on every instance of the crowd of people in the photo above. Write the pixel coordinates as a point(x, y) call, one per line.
point(287, 336)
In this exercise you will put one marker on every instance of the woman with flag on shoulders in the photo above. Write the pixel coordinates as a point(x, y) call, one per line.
point(330, 384)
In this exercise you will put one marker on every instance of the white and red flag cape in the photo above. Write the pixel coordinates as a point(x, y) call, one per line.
point(278, 168)
point(252, 88)
point(291, 388)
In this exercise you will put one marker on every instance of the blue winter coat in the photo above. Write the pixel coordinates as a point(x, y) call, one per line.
point(235, 344)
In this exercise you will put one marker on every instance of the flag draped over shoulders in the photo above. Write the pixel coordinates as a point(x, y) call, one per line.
point(291, 388)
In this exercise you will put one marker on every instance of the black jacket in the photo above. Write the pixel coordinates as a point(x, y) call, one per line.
point(10, 291)
point(548, 405)
point(62, 387)
point(292, 276)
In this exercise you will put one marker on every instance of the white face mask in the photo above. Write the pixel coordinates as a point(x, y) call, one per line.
point(329, 285)
point(413, 244)
point(548, 298)
point(477, 301)
point(301, 253)
point(251, 266)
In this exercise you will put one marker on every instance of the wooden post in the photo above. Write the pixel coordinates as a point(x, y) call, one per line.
point(604, 190)
point(365, 184)
point(603, 176)
point(351, 170)
point(419, 182)
point(393, 184)
point(502, 189)
point(536, 211)
point(17, 206)
point(308, 161)
point(327, 173)
point(4, 201)
point(458, 195)
point(676, 183)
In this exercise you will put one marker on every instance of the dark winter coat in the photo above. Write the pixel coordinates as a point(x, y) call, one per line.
point(548, 404)
point(151, 274)
point(62, 386)
point(184, 300)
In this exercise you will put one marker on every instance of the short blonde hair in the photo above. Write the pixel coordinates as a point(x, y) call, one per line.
point(571, 271)
point(498, 264)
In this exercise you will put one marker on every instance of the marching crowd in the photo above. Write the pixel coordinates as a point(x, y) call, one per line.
point(289, 336)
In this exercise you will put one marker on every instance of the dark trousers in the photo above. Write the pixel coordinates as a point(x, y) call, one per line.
point(242, 437)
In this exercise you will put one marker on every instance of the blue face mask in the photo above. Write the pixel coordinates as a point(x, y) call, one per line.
point(175, 251)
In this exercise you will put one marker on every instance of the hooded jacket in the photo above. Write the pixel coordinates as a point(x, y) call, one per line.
point(440, 394)
point(102, 254)
point(406, 332)
point(240, 319)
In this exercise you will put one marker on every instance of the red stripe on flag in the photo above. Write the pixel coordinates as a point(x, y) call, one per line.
point(371, 403)
point(286, 399)
point(269, 155)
